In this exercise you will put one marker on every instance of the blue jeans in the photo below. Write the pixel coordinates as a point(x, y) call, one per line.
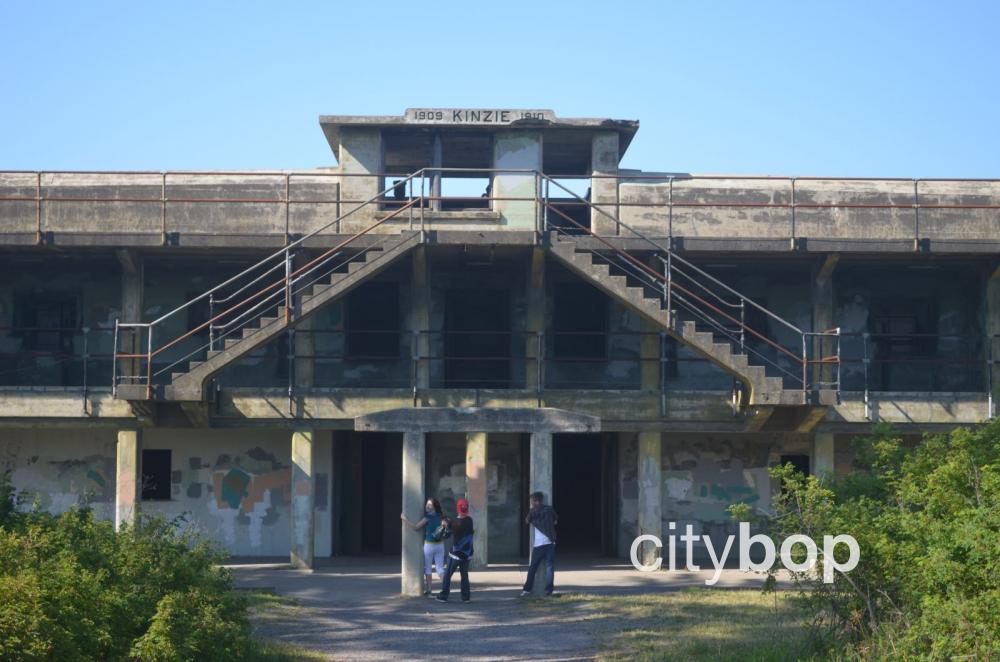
point(463, 569)
point(548, 553)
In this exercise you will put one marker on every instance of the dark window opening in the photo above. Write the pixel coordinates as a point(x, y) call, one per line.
point(156, 475)
point(580, 322)
point(800, 462)
point(49, 321)
point(198, 314)
point(477, 338)
point(902, 330)
point(373, 321)
point(465, 155)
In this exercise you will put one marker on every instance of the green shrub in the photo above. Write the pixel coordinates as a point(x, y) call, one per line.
point(73, 589)
point(927, 521)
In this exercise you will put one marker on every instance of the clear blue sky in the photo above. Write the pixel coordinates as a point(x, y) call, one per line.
point(909, 89)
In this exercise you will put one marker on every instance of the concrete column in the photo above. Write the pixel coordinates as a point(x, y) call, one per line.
point(823, 303)
point(823, 461)
point(128, 477)
point(649, 352)
point(323, 483)
point(132, 287)
point(360, 154)
point(540, 480)
point(305, 350)
point(414, 458)
point(516, 150)
point(420, 313)
point(604, 161)
point(303, 499)
point(535, 322)
point(475, 492)
point(650, 495)
point(993, 329)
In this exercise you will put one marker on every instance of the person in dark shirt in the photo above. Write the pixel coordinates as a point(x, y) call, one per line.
point(543, 519)
point(461, 551)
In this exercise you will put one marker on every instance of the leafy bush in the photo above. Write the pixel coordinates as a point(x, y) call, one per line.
point(927, 520)
point(73, 589)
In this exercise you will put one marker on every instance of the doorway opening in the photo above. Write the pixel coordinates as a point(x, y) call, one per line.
point(368, 473)
point(584, 493)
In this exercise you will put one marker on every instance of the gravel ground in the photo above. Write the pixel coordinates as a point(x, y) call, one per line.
point(351, 610)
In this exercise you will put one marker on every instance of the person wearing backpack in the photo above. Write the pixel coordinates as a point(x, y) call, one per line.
point(435, 531)
point(458, 559)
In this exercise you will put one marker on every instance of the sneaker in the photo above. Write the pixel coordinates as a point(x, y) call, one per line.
point(466, 600)
point(524, 594)
point(441, 598)
point(427, 594)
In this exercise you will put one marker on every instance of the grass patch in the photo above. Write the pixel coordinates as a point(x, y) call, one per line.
point(694, 624)
point(267, 606)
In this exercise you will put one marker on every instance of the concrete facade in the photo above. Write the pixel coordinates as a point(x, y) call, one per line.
point(478, 363)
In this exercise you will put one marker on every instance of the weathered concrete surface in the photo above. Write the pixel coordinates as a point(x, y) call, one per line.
point(823, 454)
point(540, 480)
point(128, 476)
point(474, 419)
point(414, 460)
point(993, 334)
point(604, 188)
point(650, 496)
point(303, 499)
point(516, 150)
point(476, 482)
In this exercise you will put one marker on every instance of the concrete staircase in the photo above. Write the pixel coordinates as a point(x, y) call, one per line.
point(187, 383)
point(763, 389)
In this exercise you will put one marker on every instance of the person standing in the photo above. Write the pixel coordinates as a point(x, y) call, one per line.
point(544, 520)
point(461, 550)
point(433, 540)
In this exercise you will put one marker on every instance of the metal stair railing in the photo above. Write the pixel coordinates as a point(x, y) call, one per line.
point(682, 285)
point(249, 308)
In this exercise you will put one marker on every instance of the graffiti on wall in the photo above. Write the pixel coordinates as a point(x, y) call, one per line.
point(245, 491)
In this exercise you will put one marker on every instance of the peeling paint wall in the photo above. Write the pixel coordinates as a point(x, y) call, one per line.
point(704, 474)
point(236, 487)
point(54, 470)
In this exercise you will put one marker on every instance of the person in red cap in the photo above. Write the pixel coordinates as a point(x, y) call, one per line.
point(458, 559)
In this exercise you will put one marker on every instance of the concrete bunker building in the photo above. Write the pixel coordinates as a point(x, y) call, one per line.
point(477, 303)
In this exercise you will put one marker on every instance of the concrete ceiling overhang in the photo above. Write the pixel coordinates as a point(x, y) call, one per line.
point(477, 419)
point(332, 125)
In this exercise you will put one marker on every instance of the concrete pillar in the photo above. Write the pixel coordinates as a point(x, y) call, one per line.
point(516, 150)
point(303, 499)
point(993, 343)
point(649, 352)
point(540, 480)
point(475, 492)
point(323, 483)
point(420, 314)
point(535, 322)
point(305, 351)
point(604, 161)
point(360, 154)
point(132, 286)
point(650, 494)
point(128, 477)
point(823, 304)
point(414, 458)
point(823, 461)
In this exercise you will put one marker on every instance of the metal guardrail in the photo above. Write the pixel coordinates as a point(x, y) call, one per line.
point(676, 288)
